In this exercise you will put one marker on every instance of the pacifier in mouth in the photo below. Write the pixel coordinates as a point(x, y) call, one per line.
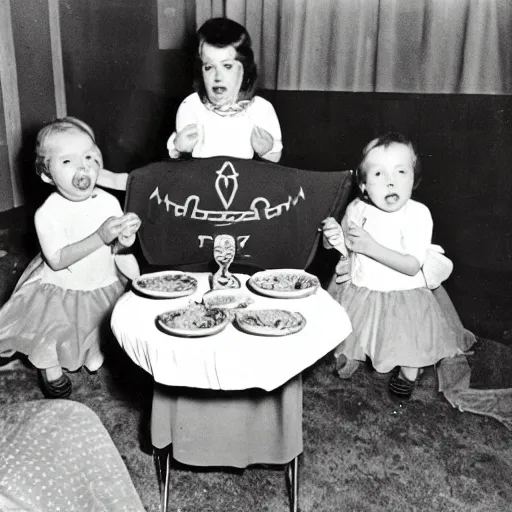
point(81, 181)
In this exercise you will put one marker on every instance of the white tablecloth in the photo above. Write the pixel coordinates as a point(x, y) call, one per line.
point(231, 359)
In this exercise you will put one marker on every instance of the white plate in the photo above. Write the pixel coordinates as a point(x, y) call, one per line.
point(284, 283)
point(169, 321)
point(227, 299)
point(189, 284)
point(270, 322)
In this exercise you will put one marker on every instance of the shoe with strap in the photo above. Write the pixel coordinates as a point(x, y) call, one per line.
point(400, 386)
point(60, 388)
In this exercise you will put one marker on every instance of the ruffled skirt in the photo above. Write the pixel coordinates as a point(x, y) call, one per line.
point(396, 328)
point(54, 326)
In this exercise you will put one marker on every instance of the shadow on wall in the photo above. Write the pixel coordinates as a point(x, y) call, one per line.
point(35, 191)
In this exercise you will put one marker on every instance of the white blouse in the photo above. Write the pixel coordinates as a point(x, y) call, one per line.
point(407, 231)
point(226, 135)
point(60, 222)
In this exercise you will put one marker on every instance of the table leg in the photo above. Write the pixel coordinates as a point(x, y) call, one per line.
point(162, 460)
point(292, 477)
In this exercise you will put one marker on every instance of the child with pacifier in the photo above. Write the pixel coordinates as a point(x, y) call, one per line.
point(62, 302)
point(397, 322)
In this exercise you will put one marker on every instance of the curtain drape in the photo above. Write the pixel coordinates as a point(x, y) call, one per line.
point(421, 46)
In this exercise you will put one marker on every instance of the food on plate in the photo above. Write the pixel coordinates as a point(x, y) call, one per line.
point(285, 283)
point(221, 300)
point(228, 299)
point(270, 322)
point(194, 320)
point(195, 316)
point(168, 283)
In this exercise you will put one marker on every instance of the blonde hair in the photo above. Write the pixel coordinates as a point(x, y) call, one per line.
point(60, 125)
point(385, 141)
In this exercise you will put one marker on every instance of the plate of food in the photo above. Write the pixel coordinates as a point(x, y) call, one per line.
point(193, 321)
point(270, 322)
point(168, 284)
point(284, 283)
point(227, 299)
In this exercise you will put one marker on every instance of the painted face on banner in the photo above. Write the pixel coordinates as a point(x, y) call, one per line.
point(224, 249)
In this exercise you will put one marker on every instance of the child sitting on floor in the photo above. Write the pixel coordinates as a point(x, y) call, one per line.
point(396, 320)
point(56, 313)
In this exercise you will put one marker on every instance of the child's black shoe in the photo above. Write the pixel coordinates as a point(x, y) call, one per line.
point(60, 388)
point(400, 386)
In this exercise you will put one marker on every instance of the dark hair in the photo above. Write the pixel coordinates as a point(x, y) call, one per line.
point(60, 125)
point(222, 32)
point(385, 141)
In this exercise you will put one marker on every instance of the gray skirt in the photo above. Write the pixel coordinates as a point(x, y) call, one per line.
point(395, 328)
point(54, 326)
point(229, 428)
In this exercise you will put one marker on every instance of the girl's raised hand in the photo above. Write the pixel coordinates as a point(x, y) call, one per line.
point(187, 138)
point(261, 141)
point(131, 225)
point(333, 234)
point(111, 229)
point(359, 240)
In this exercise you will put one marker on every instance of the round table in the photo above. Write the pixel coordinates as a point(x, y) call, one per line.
point(231, 359)
point(231, 399)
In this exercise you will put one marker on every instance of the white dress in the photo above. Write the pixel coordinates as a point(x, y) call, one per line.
point(59, 317)
point(226, 135)
point(396, 319)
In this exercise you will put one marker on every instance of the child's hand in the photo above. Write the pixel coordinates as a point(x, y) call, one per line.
point(111, 229)
point(333, 235)
point(261, 141)
point(359, 240)
point(131, 225)
point(187, 138)
point(343, 270)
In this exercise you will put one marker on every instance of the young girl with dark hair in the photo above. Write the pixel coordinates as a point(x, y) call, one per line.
point(224, 117)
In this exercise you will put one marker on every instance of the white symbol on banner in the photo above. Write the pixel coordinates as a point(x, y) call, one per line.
point(226, 184)
point(241, 240)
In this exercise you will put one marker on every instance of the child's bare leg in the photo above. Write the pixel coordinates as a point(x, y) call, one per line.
point(409, 373)
point(94, 359)
point(344, 368)
point(403, 381)
point(53, 373)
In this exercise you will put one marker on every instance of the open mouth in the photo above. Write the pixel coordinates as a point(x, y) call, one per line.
point(219, 90)
point(392, 198)
point(81, 182)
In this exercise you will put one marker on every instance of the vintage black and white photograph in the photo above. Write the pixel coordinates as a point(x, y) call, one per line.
point(255, 255)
